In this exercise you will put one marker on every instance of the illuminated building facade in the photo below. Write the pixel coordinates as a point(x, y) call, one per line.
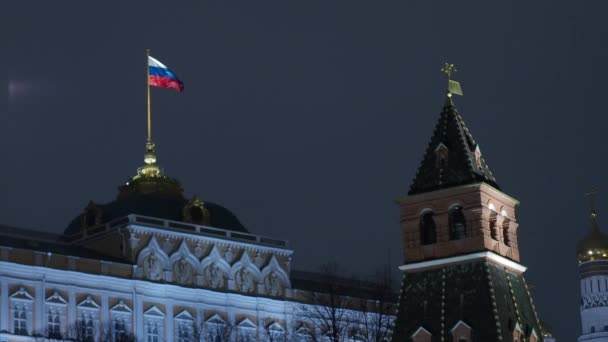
point(158, 266)
point(592, 253)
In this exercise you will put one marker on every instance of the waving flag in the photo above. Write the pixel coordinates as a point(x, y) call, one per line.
point(160, 76)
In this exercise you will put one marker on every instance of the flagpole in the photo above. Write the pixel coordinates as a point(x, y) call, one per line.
point(148, 85)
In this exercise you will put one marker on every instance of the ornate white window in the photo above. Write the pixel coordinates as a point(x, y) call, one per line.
point(21, 312)
point(184, 327)
point(356, 338)
point(246, 331)
point(216, 329)
point(303, 334)
point(154, 325)
point(327, 337)
point(87, 321)
point(275, 332)
point(53, 324)
point(20, 321)
point(55, 316)
point(121, 318)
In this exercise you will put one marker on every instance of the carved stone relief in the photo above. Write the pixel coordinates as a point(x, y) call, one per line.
point(214, 277)
point(259, 260)
point(272, 284)
point(229, 256)
point(183, 272)
point(244, 280)
point(152, 267)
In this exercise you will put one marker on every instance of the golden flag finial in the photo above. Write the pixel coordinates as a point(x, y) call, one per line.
point(453, 86)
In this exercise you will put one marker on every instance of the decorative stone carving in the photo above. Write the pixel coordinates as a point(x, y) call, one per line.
point(133, 241)
point(183, 272)
point(198, 251)
point(244, 280)
point(167, 245)
point(153, 268)
point(229, 256)
point(273, 284)
point(288, 263)
point(259, 260)
point(214, 277)
point(276, 280)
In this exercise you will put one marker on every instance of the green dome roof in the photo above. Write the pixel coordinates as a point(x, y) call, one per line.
point(595, 245)
point(159, 197)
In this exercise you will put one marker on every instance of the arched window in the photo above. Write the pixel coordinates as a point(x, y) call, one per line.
point(493, 227)
point(428, 230)
point(457, 223)
point(506, 234)
point(592, 330)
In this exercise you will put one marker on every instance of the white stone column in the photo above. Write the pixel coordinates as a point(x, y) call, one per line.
point(39, 326)
point(138, 314)
point(4, 307)
point(232, 324)
point(261, 313)
point(170, 333)
point(289, 322)
point(199, 323)
point(71, 308)
point(104, 315)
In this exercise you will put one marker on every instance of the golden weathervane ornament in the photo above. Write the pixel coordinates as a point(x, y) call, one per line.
point(453, 86)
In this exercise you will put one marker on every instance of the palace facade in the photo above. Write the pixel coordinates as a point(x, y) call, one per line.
point(154, 266)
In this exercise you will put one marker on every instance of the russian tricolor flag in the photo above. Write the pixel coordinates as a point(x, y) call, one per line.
point(160, 76)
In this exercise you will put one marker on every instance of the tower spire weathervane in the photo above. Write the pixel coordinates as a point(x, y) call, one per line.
point(592, 195)
point(453, 86)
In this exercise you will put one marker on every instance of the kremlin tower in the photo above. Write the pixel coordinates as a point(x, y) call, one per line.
point(463, 280)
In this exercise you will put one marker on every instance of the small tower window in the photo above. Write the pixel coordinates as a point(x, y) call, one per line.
point(506, 233)
point(428, 230)
point(457, 223)
point(441, 156)
point(477, 155)
point(493, 227)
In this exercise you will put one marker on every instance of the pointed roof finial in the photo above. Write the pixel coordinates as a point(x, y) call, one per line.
point(453, 86)
point(150, 169)
point(591, 196)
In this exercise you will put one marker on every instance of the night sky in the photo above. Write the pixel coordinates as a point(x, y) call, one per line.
point(309, 119)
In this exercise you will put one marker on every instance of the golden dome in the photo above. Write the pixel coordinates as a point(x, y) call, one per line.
point(595, 245)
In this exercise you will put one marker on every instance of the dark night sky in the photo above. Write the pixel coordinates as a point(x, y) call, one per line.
point(308, 119)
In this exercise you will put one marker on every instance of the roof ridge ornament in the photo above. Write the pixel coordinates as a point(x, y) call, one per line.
point(453, 86)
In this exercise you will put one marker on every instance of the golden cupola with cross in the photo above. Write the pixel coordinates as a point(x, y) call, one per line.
point(594, 246)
